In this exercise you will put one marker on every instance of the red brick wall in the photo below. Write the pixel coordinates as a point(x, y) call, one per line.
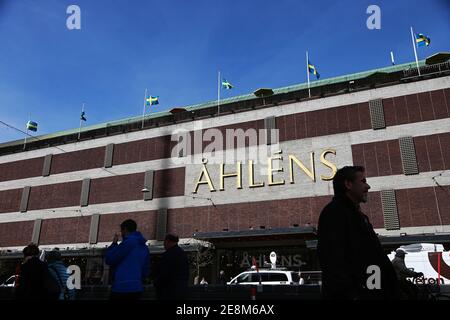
point(242, 216)
point(10, 200)
point(383, 158)
point(444, 141)
point(55, 195)
point(167, 183)
point(115, 189)
point(14, 234)
point(443, 199)
point(440, 106)
point(433, 152)
point(379, 158)
point(21, 169)
point(78, 160)
point(416, 207)
point(417, 107)
point(109, 224)
point(399, 110)
point(142, 150)
point(65, 230)
point(324, 122)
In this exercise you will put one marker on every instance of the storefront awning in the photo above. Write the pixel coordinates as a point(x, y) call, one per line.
point(255, 234)
point(415, 238)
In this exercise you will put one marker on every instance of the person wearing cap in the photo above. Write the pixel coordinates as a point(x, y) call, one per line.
point(400, 267)
point(408, 289)
point(172, 274)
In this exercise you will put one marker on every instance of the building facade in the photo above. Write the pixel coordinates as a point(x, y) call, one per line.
point(242, 181)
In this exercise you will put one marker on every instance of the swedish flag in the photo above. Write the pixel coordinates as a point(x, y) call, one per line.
point(312, 69)
point(152, 100)
point(32, 126)
point(422, 40)
point(226, 84)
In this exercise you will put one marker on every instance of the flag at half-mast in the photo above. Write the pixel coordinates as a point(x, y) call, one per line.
point(312, 69)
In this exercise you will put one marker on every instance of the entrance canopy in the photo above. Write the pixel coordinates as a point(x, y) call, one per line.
point(257, 235)
point(415, 238)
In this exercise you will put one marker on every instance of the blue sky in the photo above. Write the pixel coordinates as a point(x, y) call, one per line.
point(175, 49)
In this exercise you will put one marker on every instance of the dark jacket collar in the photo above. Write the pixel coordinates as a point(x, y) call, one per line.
point(346, 201)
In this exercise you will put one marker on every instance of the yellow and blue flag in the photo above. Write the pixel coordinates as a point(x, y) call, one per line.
point(422, 40)
point(226, 84)
point(32, 126)
point(152, 100)
point(312, 69)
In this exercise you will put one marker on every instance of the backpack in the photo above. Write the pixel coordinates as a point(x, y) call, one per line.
point(60, 284)
point(51, 285)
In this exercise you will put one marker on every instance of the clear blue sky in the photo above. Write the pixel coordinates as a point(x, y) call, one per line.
point(175, 48)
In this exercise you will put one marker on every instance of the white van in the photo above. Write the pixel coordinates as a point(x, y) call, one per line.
point(423, 257)
point(267, 277)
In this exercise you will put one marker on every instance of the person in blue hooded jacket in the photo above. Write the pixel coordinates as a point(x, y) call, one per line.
point(129, 261)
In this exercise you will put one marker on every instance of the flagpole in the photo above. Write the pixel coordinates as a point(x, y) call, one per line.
point(307, 73)
point(81, 121)
point(218, 93)
point(392, 58)
point(26, 134)
point(143, 111)
point(25, 141)
point(415, 51)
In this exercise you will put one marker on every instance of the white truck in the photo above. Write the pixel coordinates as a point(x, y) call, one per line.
point(424, 257)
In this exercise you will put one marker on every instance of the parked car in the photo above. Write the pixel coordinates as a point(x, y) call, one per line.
point(10, 282)
point(266, 277)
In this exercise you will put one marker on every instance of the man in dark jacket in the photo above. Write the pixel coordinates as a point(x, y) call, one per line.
point(35, 281)
point(348, 245)
point(129, 261)
point(173, 272)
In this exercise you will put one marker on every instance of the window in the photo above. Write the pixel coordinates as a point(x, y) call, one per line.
point(264, 277)
point(278, 277)
point(10, 281)
point(295, 277)
point(246, 277)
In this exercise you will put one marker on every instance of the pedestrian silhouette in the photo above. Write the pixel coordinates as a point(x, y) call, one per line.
point(173, 272)
point(36, 282)
point(59, 271)
point(348, 245)
point(129, 261)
